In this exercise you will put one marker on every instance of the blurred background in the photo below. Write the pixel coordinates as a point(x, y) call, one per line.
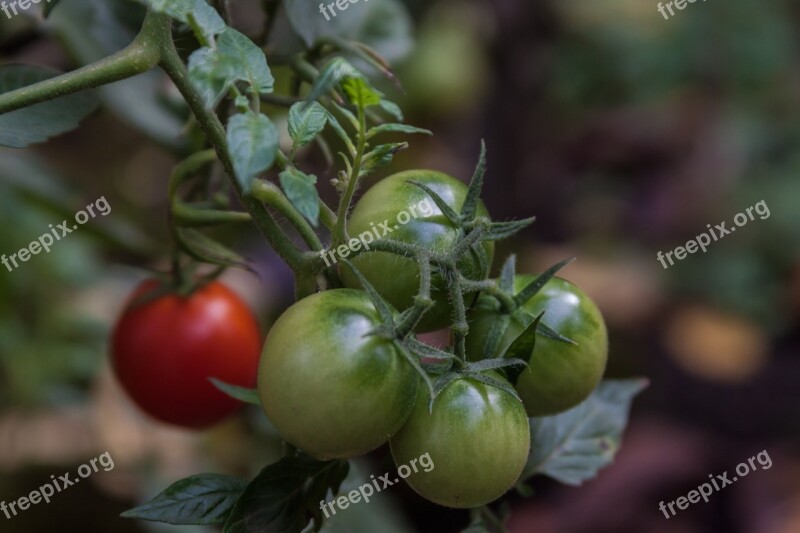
point(624, 133)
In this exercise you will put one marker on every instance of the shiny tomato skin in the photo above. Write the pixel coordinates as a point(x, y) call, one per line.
point(165, 349)
point(477, 438)
point(328, 387)
point(560, 375)
point(397, 278)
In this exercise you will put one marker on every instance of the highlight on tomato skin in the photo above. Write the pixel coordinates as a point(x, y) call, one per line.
point(165, 348)
point(328, 386)
point(477, 436)
point(560, 375)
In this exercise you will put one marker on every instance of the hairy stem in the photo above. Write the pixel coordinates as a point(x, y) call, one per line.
point(340, 231)
point(270, 194)
point(215, 132)
point(140, 56)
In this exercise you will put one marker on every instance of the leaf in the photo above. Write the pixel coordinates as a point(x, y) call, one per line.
point(285, 496)
point(236, 392)
point(253, 144)
point(532, 288)
point(205, 249)
point(470, 208)
point(210, 74)
point(573, 446)
point(301, 190)
point(306, 120)
point(334, 72)
point(503, 230)
point(546, 330)
point(40, 122)
point(522, 349)
point(508, 273)
point(381, 305)
point(206, 17)
point(392, 109)
point(360, 92)
point(441, 203)
point(247, 61)
point(381, 156)
point(49, 7)
point(204, 499)
point(396, 128)
point(495, 364)
point(384, 25)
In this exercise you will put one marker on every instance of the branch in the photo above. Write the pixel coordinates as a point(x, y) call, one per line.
point(140, 56)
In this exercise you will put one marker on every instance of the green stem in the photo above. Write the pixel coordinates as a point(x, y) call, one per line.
point(140, 56)
point(340, 231)
point(215, 132)
point(460, 325)
point(270, 194)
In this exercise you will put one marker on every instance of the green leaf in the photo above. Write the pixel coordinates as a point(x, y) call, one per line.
point(40, 122)
point(247, 61)
point(381, 156)
point(334, 72)
point(211, 75)
point(360, 92)
point(573, 446)
point(306, 120)
point(49, 7)
point(396, 128)
point(546, 330)
point(448, 212)
point(392, 109)
point(503, 230)
point(206, 17)
point(507, 274)
point(285, 496)
point(541, 280)
point(381, 305)
point(205, 249)
point(253, 144)
point(301, 190)
point(236, 392)
point(384, 25)
point(522, 349)
point(470, 208)
point(204, 499)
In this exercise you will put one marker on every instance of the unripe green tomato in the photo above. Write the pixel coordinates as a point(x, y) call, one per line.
point(329, 388)
point(559, 375)
point(395, 209)
point(477, 438)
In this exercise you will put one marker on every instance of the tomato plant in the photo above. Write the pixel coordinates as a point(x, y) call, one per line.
point(166, 347)
point(321, 348)
point(384, 208)
point(477, 437)
point(560, 374)
point(342, 370)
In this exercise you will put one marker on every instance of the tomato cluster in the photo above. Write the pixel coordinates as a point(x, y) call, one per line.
point(336, 379)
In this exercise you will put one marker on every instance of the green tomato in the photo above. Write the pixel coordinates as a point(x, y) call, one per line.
point(400, 211)
point(328, 387)
point(477, 439)
point(560, 375)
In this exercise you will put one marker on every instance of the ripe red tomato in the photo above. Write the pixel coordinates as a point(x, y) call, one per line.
point(165, 349)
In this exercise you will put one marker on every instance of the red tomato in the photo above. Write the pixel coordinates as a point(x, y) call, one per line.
point(165, 349)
